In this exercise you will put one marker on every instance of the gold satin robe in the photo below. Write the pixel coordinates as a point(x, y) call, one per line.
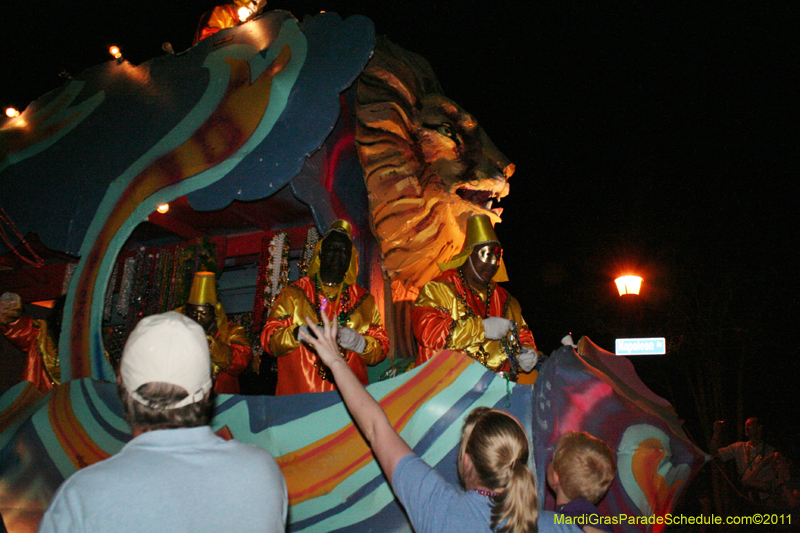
point(297, 372)
point(448, 316)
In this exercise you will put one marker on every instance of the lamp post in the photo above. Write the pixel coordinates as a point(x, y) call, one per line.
point(628, 284)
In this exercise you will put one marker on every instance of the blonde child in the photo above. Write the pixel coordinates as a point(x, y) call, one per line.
point(580, 474)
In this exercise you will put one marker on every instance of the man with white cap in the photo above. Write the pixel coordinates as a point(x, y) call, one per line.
point(175, 474)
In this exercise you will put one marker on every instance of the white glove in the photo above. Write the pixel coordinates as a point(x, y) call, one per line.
point(496, 327)
point(567, 341)
point(302, 329)
point(350, 339)
point(527, 359)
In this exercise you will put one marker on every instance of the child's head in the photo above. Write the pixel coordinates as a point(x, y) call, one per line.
point(584, 467)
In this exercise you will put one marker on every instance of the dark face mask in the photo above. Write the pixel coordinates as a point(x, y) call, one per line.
point(334, 257)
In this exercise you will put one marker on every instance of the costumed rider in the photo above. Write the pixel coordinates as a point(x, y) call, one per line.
point(37, 338)
point(227, 342)
point(227, 16)
point(464, 309)
point(329, 287)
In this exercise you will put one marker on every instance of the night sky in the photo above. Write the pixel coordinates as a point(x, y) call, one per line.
point(658, 136)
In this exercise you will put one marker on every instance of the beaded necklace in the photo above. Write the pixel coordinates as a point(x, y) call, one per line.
point(342, 295)
point(37, 261)
point(487, 493)
point(510, 345)
point(489, 291)
point(341, 302)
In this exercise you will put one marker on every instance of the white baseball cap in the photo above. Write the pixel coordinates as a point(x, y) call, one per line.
point(167, 348)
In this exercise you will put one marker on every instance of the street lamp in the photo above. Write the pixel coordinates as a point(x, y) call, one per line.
point(628, 284)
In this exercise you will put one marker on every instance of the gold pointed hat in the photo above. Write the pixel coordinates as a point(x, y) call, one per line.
point(479, 232)
point(342, 226)
point(204, 289)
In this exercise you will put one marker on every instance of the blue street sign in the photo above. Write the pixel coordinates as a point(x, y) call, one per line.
point(648, 346)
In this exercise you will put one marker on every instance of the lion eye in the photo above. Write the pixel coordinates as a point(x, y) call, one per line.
point(448, 131)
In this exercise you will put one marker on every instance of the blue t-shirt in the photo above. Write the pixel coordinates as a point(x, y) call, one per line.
point(586, 512)
point(434, 505)
point(174, 480)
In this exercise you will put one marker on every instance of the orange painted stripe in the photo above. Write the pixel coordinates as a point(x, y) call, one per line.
point(659, 493)
point(225, 432)
point(29, 396)
point(72, 436)
point(335, 457)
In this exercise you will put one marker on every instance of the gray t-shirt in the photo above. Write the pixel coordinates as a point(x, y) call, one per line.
point(174, 480)
point(434, 505)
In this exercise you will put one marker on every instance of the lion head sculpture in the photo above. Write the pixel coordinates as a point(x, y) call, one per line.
point(428, 165)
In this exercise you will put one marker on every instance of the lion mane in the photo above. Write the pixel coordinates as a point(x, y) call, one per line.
point(428, 165)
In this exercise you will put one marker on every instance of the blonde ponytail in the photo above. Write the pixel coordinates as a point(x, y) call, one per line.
point(518, 506)
point(498, 449)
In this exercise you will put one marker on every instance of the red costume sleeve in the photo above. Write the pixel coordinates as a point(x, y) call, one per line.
point(23, 333)
point(227, 381)
point(241, 356)
point(431, 327)
point(526, 337)
point(381, 341)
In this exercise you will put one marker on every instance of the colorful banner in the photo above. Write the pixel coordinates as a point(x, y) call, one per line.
point(333, 481)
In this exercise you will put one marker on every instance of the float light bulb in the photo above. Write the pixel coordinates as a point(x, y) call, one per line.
point(114, 51)
point(244, 13)
point(163, 208)
point(11, 112)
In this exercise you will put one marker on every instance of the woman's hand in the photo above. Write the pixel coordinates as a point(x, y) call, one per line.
point(322, 339)
point(388, 446)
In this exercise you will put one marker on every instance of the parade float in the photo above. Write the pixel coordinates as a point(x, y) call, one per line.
point(259, 137)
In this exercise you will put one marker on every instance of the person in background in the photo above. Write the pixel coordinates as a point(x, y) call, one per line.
point(499, 489)
point(37, 338)
point(228, 343)
point(763, 471)
point(582, 470)
point(175, 474)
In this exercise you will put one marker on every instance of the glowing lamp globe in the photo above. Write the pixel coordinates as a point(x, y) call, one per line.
point(163, 208)
point(628, 284)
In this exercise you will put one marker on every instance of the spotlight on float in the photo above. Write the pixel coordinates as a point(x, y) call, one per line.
point(163, 208)
point(11, 112)
point(115, 52)
point(628, 284)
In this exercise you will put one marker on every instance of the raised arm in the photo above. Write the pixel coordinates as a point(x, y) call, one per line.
point(368, 415)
